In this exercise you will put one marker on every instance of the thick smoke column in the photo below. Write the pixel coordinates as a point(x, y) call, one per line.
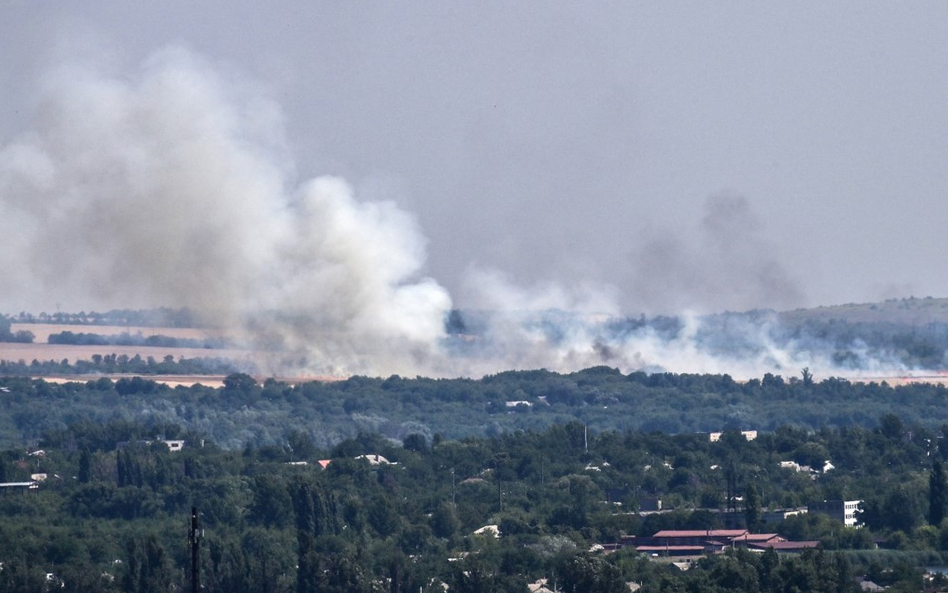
point(172, 189)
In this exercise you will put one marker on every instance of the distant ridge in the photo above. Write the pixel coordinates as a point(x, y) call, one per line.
point(906, 311)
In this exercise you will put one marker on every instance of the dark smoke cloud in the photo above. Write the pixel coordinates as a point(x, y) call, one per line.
point(725, 262)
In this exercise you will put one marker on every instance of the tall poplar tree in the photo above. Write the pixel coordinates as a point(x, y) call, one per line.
point(937, 494)
point(752, 507)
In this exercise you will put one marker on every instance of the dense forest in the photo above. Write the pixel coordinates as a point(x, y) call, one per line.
point(112, 508)
point(246, 411)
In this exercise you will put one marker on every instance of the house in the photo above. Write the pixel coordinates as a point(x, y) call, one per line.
point(795, 466)
point(827, 466)
point(18, 486)
point(375, 459)
point(650, 504)
point(684, 542)
point(670, 551)
point(699, 536)
point(843, 511)
point(778, 515)
point(173, 446)
point(539, 586)
point(750, 435)
point(488, 530)
point(757, 540)
point(867, 585)
point(785, 547)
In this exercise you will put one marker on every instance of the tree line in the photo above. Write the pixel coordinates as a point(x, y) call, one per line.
point(600, 398)
point(138, 339)
point(156, 317)
point(6, 335)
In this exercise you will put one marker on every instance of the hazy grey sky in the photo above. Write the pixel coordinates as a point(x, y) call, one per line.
point(703, 155)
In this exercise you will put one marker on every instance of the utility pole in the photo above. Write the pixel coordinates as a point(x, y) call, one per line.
point(500, 496)
point(194, 539)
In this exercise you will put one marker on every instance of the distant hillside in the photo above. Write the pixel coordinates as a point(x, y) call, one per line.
point(908, 334)
point(909, 311)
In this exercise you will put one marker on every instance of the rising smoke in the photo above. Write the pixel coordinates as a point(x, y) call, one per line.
point(723, 262)
point(174, 187)
point(171, 188)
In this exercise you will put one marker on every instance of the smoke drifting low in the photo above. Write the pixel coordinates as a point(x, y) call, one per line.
point(173, 187)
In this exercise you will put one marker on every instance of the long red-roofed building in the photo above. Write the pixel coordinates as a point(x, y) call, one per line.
point(696, 542)
point(697, 536)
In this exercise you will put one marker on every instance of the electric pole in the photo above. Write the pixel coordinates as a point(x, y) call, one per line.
point(194, 539)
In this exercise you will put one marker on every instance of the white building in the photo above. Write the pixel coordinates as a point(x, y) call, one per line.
point(843, 511)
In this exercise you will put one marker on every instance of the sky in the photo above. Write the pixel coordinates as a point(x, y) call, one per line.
point(633, 157)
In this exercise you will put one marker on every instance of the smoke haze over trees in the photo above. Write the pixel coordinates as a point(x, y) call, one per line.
point(894, 338)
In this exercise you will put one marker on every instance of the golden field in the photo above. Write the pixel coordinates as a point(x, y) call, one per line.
point(43, 351)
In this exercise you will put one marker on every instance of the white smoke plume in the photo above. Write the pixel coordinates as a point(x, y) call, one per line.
point(173, 187)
